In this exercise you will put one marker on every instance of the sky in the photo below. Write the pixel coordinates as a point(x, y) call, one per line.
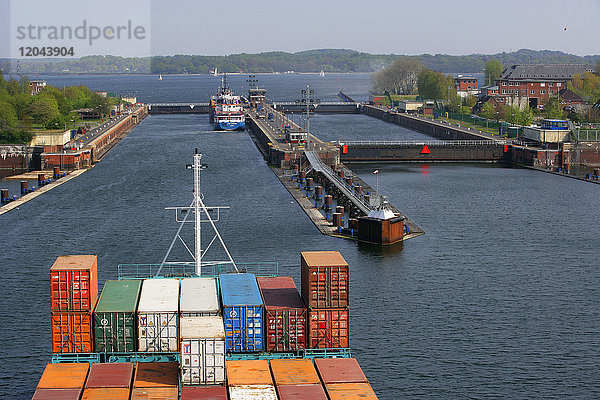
point(380, 26)
point(240, 26)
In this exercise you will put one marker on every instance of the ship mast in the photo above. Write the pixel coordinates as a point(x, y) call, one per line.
point(199, 208)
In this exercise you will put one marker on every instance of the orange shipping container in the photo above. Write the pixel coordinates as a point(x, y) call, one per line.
point(324, 279)
point(64, 376)
point(57, 394)
point(350, 391)
point(72, 332)
point(328, 328)
point(165, 374)
point(248, 372)
point(74, 283)
point(155, 393)
point(294, 372)
point(106, 393)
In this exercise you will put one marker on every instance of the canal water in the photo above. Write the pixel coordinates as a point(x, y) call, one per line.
point(499, 299)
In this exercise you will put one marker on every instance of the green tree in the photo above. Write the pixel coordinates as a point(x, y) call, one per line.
point(8, 116)
point(598, 67)
point(553, 109)
point(493, 71)
point(43, 108)
point(488, 111)
point(525, 116)
point(434, 85)
point(512, 114)
point(400, 77)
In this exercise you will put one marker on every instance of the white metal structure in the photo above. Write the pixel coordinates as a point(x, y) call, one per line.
point(199, 209)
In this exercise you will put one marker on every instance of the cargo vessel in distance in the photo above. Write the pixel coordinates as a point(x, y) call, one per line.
point(202, 329)
point(225, 111)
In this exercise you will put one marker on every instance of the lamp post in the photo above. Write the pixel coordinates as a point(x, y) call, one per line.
point(306, 99)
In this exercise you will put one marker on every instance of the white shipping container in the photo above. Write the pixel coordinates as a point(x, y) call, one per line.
point(199, 297)
point(252, 392)
point(202, 351)
point(157, 316)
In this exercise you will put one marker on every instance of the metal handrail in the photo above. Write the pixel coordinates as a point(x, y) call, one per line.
point(188, 269)
point(419, 143)
point(357, 199)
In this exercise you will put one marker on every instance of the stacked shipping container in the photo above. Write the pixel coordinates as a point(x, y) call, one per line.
point(202, 333)
point(250, 379)
point(114, 317)
point(285, 314)
point(61, 382)
point(158, 316)
point(297, 379)
point(74, 291)
point(109, 381)
point(344, 379)
point(156, 381)
point(325, 290)
point(243, 313)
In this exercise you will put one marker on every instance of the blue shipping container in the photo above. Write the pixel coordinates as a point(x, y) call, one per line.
point(243, 313)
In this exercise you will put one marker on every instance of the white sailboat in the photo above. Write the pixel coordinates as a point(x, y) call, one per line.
point(322, 73)
point(160, 77)
point(215, 72)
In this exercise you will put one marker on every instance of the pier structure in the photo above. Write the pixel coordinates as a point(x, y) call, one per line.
point(424, 151)
point(178, 108)
point(336, 201)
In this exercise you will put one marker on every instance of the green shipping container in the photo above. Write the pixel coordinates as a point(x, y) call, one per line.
point(115, 317)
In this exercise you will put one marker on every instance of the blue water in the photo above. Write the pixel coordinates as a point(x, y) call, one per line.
point(499, 299)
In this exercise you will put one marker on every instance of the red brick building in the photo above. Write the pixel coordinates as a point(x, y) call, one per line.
point(465, 85)
point(532, 84)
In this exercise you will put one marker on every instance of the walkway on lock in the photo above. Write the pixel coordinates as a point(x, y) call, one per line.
point(358, 200)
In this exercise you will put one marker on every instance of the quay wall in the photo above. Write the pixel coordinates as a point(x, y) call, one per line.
point(15, 159)
point(417, 153)
point(426, 126)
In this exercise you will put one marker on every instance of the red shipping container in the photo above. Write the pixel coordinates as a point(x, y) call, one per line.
point(301, 392)
point(57, 394)
point(324, 279)
point(74, 283)
point(285, 314)
point(110, 375)
point(72, 332)
point(203, 393)
point(328, 328)
point(340, 370)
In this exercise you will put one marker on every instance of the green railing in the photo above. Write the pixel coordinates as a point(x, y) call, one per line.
point(76, 358)
point(180, 270)
point(307, 353)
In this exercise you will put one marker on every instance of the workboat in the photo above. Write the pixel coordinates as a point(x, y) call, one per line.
point(201, 329)
point(225, 111)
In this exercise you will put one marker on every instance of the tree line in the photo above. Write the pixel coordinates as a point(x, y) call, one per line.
point(52, 108)
point(328, 60)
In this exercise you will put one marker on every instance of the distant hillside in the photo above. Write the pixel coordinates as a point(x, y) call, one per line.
point(328, 60)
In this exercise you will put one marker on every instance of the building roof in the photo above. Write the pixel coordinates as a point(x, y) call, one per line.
point(569, 95)
point(544, 71)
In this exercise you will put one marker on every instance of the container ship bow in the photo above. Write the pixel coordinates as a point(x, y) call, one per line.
point(218, 330)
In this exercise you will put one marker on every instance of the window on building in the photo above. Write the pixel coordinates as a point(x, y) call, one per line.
point(532, 92)
point(542, 92)
point(503, 83)
point(542, 84)
point(523, 91)
point(550, 84)
point(559, 84)
point(503, 91)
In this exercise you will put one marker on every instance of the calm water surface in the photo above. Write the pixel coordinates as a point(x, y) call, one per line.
point(499, 299)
